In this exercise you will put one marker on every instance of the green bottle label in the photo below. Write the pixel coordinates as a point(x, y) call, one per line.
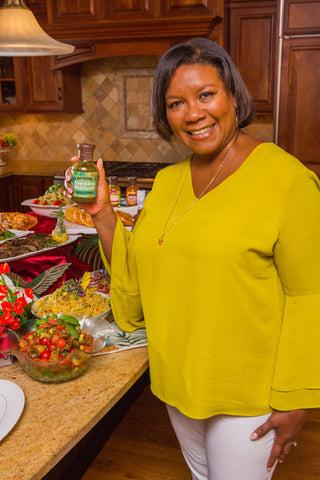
point(84, 185)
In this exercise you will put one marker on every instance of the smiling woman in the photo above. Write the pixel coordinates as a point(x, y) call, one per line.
point(218, 271)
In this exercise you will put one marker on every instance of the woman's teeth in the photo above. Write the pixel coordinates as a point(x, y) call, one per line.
point(202, 131)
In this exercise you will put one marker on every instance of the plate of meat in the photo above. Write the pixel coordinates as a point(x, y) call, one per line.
point(33, 244)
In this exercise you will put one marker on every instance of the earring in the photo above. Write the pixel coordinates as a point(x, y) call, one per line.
point(237, 122)
point(174, 141)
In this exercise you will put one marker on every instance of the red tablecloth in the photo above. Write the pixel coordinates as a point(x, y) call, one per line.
point(31, 267)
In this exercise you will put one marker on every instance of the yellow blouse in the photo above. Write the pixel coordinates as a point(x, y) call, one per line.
point(231, 299)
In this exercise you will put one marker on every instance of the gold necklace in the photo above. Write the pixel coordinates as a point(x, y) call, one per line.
point(212, 180)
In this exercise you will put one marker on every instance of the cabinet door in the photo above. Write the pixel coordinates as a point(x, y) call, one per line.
point(301, 17)
point(252, 43)
point(129, 9)
point(180, 8)
point(26, 187)
point(11, 90)
point(74, 11)
point(50, 90)
point(5, 197)
point(299, 119)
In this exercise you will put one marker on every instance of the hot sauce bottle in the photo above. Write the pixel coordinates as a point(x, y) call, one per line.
point(114, 191)
point(132, 192)
point(84, 175)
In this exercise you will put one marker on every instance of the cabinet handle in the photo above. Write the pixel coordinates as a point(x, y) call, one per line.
point(59, 93)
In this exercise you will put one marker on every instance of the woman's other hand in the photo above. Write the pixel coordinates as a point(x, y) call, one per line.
point(102, 200)
point(286, 426)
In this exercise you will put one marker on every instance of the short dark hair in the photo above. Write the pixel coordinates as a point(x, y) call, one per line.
point(205, 52)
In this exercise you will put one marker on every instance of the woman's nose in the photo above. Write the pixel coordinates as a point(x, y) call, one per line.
point(194, 112)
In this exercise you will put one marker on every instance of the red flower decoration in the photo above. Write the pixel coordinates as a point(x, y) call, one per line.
point(12, 314)
point(4, 268)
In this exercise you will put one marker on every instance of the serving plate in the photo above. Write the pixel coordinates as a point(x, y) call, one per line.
point(34, 309)
point(12, 402)
point(18, 234)
point(44, 210)
point(71, 239)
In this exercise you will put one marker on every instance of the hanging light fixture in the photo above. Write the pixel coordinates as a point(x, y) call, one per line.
point(21, 35)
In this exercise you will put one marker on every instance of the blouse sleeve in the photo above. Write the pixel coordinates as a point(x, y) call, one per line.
point(124, 288)
point(296, 380)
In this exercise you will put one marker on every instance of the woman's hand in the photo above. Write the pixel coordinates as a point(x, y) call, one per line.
point(286, 425)
point(102, 200)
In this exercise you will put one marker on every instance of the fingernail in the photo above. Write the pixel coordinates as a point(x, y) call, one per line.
point(254, 436)
point(269, 469)
point(69, 190)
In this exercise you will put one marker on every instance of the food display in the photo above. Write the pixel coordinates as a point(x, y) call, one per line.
point(53, 196)
point(125, 218)
point(74, 297)
point(30, 244)
point(6, 234)
point(76, 215)
point(17, 221)
point(57, 349)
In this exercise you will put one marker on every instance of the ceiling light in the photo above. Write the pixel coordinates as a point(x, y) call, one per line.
point(21, 35)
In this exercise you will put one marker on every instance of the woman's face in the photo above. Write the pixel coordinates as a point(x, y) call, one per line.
point(200, 111)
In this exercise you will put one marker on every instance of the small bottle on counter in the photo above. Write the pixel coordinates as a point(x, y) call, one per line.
point(84, 175)
point(132, 192)
point(114, 191)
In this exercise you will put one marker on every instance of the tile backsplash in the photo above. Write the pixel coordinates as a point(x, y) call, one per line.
point(50, 140)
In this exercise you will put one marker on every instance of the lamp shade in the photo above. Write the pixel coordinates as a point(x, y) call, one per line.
point(21, 35)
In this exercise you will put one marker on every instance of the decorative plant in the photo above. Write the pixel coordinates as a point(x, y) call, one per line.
point(88, 251)
point(12, 303)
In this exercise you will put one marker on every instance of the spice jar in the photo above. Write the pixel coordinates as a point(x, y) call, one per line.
point(84, 175)
point(132, 192)
point(114, 191)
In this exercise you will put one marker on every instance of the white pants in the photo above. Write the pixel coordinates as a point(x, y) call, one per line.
point(219, 448)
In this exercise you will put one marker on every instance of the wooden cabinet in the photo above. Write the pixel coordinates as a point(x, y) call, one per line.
point(30, 84)
point(25, 187)
point(298, 118)
point(6, 194)
point(50, 90)
point(103, 28)
point(252, 45)
point(11, 89)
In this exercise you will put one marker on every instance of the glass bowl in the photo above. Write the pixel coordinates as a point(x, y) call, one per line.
point(71, 366)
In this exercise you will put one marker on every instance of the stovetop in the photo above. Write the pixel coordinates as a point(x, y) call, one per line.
point(133, 169)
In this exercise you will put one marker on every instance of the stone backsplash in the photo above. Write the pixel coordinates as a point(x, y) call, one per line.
point(50, 140)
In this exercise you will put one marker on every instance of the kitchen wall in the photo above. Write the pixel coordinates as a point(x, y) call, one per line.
point(46, 142)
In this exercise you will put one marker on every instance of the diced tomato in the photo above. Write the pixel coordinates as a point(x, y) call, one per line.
point(45, 355)
point(36, 200)
point(44, 325)
point(61, 343)
point(44, 341)
point(60, 327)
point(57, 202)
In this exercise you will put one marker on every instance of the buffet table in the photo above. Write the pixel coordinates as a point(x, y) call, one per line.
point(63, 426)
point(57, 417)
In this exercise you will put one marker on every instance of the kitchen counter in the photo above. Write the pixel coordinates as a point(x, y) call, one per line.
point(57, 417)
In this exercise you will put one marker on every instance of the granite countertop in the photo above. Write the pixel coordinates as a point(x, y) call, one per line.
point(57, 416)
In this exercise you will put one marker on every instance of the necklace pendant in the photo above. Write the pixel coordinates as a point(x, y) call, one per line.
point(160, 241)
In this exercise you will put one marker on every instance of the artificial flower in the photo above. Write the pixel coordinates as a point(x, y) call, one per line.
point(12, 315)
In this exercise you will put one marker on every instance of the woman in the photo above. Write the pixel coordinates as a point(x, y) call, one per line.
point(223, 268)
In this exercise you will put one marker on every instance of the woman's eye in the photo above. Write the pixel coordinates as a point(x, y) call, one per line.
point(206, 95)
point(174, 104)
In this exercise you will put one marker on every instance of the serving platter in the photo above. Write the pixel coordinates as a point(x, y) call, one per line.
point(44, 210)
point(17, 234)
point(12, 402)
point(71, 239)
point(34, 308)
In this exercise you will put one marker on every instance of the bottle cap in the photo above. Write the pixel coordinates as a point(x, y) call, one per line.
point(85, 151)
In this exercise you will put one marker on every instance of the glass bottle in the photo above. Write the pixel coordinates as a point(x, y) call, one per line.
point(84, 175)
point(114, 191)
point(132, 192)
